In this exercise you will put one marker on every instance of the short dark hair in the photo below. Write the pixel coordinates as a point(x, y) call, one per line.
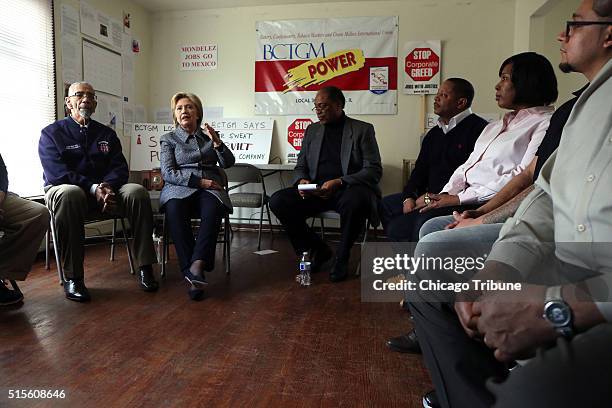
point(335, 94)
point(463, 88)
point(603, 8)
point(533, 78)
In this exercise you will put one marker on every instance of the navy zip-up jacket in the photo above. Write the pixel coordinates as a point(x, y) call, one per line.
point(71, 154)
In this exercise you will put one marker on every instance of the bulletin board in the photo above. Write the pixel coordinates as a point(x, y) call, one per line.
point(102, 68)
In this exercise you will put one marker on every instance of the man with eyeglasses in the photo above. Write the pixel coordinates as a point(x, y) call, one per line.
point(558, 246)
point(340, 155)
point(86, 173)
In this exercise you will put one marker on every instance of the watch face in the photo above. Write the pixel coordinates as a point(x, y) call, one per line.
point(558, 314)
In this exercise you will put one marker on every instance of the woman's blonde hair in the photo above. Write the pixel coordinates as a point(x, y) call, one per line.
point(193, 98)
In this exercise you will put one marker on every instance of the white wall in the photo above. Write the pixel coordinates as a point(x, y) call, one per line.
point(545, 26)
point(476, 37)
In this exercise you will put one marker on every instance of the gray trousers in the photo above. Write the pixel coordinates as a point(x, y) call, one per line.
point(24, 224)
point(71, 206)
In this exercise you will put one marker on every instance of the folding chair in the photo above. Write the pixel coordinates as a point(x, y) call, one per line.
point(244, 174)
point(113, 239)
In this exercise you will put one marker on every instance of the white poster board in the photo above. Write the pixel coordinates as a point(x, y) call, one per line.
point(248, 138)
point(102, 68)
point(144, 146)
point(422, 67)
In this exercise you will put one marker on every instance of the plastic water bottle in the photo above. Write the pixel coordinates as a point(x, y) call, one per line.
point(304, 276)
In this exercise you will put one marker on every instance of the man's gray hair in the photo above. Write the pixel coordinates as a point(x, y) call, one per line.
point(75, 84)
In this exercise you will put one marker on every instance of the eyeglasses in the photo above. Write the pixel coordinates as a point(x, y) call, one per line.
point(81, 95)
point(320, 107)
point(571, 23)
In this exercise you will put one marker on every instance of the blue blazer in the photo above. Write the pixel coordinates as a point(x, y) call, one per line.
point(186, 159)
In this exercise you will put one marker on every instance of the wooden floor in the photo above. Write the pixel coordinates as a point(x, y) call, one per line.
point(258, 339)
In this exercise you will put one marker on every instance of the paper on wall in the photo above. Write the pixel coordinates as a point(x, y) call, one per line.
point(72, 70)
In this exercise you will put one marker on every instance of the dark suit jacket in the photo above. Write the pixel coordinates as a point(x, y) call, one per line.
point(359, 150)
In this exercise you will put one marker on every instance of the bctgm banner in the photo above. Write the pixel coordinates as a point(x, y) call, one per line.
point(422, 66)
point(296, 58)
point(248, 138)
point(296, 128)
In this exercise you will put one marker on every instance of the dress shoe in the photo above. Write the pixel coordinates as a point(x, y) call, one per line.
point(196, 294)
point(340, 271)
point(147, 280)
point(76, 290)
point(198, 281)
point(319, 256)
point(430, 400)
point(7, 296)
point(406, 343)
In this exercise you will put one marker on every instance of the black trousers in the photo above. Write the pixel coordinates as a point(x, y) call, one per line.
point(400, 227)
point(571, 373)
point(351, 202)
point(178, 220)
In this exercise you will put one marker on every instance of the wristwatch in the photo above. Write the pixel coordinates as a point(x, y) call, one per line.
point(558, 312)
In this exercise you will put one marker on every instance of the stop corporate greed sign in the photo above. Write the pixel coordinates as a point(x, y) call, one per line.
point(422, 65)
point(296, 128)
point(296, 58)
point(248, 138)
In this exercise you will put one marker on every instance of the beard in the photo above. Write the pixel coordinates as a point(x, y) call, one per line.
point(566, 67)
point(85, 113)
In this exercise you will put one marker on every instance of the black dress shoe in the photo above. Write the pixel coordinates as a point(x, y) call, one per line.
point(199, 281)
point(147, 280)
point(320, 256)
point(76, 290)
point(340, 271)
point(430, 400)
point(406, 343)
point(196, 294)
point(7, 296)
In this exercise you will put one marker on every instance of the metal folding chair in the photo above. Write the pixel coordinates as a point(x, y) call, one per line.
point(244, 174)
point(52, 234)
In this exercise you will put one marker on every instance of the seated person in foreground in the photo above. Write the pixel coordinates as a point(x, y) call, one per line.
point(341, 155)
point(194, 187)
point(86, 174)
point(444, 148)
point(473, 228)
point(23, 224)
point(527, 87)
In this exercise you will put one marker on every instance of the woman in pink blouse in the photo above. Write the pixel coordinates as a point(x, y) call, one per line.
point(527, 87)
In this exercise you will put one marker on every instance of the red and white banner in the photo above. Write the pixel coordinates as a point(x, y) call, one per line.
point(422, 66)
point(296, 58)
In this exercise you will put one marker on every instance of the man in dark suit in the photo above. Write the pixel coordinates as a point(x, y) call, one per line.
point(341, 156)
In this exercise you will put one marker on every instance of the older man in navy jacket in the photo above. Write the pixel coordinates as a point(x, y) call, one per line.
point(85, 172)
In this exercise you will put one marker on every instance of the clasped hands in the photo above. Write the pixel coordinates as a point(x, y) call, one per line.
point(508, 322)
point(106, 198)
point(325, 191)
point(429, 201)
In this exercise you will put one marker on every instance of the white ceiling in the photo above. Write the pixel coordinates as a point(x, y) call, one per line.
point(170, 5)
